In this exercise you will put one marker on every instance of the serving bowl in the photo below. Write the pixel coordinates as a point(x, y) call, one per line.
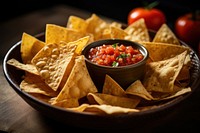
point(89, 120)
point(123, 75)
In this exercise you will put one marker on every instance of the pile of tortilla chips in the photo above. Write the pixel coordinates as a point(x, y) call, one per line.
point(56, 73)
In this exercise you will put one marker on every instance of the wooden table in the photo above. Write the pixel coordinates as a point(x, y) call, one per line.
point(18, 117)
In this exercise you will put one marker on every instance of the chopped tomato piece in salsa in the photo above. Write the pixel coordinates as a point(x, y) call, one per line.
point(115, 55)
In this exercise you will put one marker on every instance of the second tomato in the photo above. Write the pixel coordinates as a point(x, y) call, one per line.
point(154, 18)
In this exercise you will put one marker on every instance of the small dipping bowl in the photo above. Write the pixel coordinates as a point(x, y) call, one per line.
point(123, 75)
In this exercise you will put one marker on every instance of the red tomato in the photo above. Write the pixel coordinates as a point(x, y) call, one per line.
point(153, 17)
point(187, 28)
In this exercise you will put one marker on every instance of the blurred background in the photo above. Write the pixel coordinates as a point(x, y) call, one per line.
point(110, 8)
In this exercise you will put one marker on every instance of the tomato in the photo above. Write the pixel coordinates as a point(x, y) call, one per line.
point(153, 17)
point(187, 28)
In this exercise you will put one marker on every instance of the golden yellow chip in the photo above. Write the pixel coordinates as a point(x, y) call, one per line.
point(67, 103)
point(103, 109)
point(165, 35)
point(54, 63)
point(79, 83)
point(108, 99)
point(26, 67)
point(96, 26)
point(116, 24)
point(81, 43)
point(77, 23)
point(34, 84)
point(161, 75)
point(161, 51)
point(165, 96)
point(137, 88)
point(117, 33)
point(112, 87)
point(178, 93)
point(29, 47)
point(56, 34)
point(138, 31)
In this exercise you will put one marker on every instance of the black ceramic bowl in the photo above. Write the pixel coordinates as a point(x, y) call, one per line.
point(123, 75)
point(94, 121)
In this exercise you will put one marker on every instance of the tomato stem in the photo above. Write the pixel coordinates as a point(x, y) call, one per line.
point(151, 5)
point(195, 15)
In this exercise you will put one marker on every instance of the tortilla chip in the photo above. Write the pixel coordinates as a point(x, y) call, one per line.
point(116, 24)
point(77, 23)
point(79, 83)
point(56, 34)
point(178, 93)
point(67, 103)
point(165, 35)
point(137, 88)
point(26, 67)
point(108, 99)
point(112, 87)
point(30, 45)
point(162, 51)
point(109, 109)
point(54, 63)
point(117, 33)
point(165, 96)
point(34, 84)
point(81, 43)
point(106, 34)
point(96, 26)
point(95, 99)
point(41, 97)
point(161, 75)
point(138, 31)
point(103, 109)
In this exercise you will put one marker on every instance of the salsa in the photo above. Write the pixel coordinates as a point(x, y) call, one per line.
point(115, 55)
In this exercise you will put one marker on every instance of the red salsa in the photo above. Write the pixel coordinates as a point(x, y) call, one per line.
point(115, 55)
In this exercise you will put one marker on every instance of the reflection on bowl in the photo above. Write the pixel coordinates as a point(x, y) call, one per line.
point(124, 75)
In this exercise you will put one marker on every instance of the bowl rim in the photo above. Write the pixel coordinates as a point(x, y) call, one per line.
point(144, 52)
point(145, 113)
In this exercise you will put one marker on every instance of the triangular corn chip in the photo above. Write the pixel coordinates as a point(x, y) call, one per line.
point(81, 43)
point(113, 100)
point(117, 33)
point(165, 35)
point(161, 51)
point(77, 23)
point(56, 34)
point(67, 103)
point(26, 67)
point(103, 109)
point(138, 31)
point(137, 88)
point(79, 83)
point(30, 45)
point(96, 26)
point(54, 63)
point(161, 75)
point(112, 87)
point(35, 84)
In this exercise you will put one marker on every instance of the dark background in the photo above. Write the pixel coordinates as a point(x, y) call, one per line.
point(114, 9)
point(117, 9)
